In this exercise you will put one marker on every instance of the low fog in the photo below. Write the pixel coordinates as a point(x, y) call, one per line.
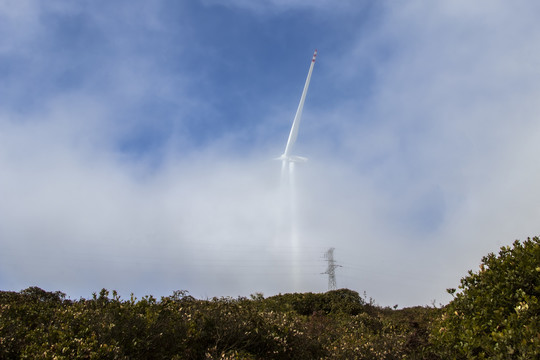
point(412, 178)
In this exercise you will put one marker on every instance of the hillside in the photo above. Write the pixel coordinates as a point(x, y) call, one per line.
point(340, 324)
point(336, 324)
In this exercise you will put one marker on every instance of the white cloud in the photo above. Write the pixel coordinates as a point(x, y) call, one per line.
point(453, 109)
point(19, 19)
point(412, 180)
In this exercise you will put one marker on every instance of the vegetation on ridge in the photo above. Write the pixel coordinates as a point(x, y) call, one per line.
point(494, 315)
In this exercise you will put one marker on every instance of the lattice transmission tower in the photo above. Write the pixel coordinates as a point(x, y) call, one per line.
point(331, 269)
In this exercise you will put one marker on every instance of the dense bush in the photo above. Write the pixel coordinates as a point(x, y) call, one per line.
point(343, 301)
point(39, 324)
point(496, 314)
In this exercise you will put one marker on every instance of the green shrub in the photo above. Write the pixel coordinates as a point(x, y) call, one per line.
point(37, 324)
point(496, 314)
point(343, 301)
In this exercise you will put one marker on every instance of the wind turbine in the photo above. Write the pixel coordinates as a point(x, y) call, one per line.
point(287, 182)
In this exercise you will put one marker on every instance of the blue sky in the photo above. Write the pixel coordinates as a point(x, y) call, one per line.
point(137, 138)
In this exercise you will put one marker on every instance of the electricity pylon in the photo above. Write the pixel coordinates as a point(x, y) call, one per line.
point(331, 269)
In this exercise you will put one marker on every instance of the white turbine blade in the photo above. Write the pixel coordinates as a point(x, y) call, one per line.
point(296, 122)
point(297, 158)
